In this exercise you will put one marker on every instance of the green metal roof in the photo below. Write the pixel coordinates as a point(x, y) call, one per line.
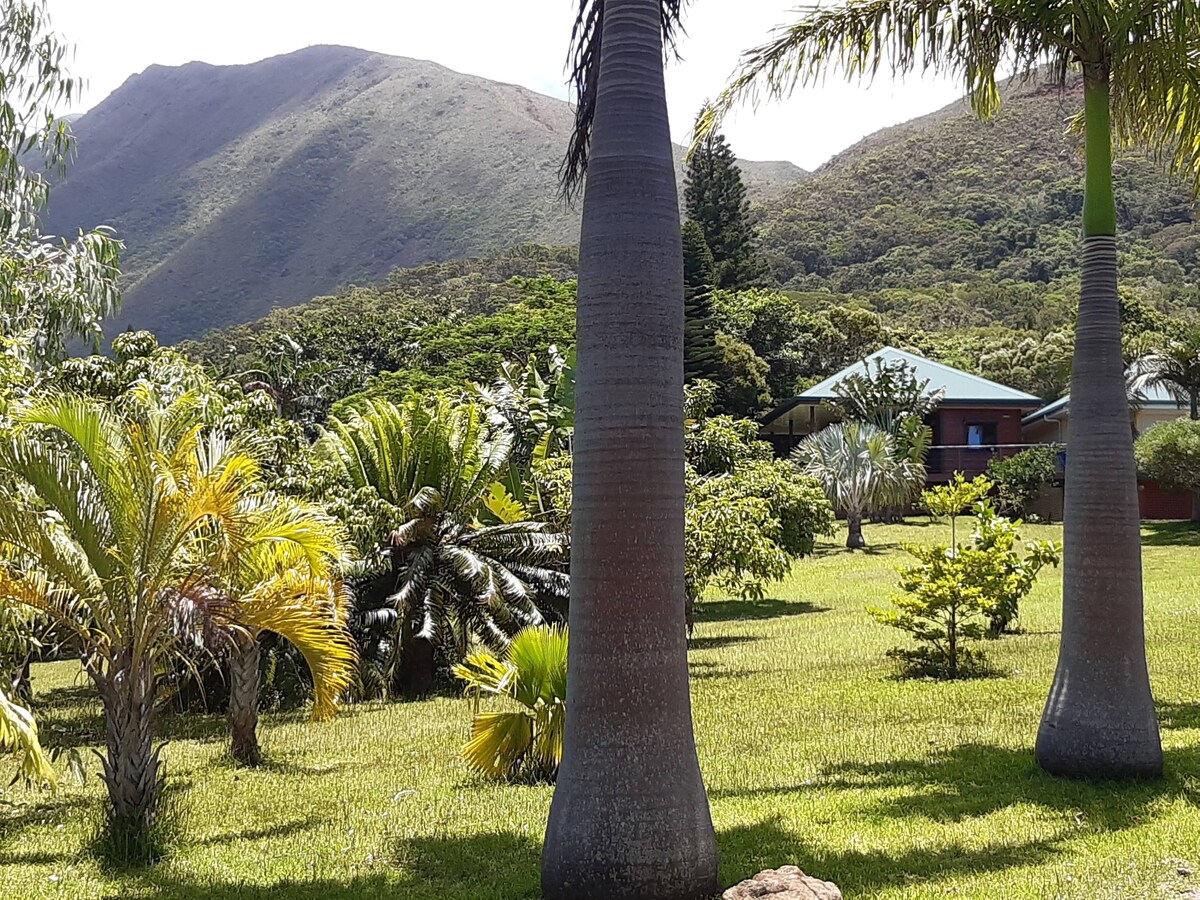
point(1156, 397)
point(960, 386)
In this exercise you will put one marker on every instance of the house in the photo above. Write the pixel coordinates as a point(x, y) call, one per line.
point(1048, 425)
point(976, 419)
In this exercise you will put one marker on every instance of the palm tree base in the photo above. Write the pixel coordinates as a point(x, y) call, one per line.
point(1103, 748)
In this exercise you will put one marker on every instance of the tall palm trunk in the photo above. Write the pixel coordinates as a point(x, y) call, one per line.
point(131, 763)
point(243, 699)
point(630, 817)
point(1099, 720)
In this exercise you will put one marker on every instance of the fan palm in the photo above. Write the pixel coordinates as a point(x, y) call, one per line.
point(119, 527)
point(1141, 83)
point(1173, 365)
point(427, 471)
point(630, 817)
point(288, 586)
point(525, 742)
point(860, 471)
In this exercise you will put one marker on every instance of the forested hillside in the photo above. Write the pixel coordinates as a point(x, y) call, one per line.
point(946, 199)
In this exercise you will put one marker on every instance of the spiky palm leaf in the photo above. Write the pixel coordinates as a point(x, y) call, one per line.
point(525, 742)
point(1174, 365)
point(434, 466)
point(19, 734)
point(857, 466)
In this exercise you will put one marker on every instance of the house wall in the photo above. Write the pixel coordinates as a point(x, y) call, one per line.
point(1156, 503)
point(950, 433)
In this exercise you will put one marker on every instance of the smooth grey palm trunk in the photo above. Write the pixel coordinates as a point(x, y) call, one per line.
point(1099, 721)
point(630, 817)
point(243, 700)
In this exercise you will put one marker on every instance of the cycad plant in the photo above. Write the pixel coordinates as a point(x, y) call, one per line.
point(524, 743)
point(118, 529)
point(465, 562)
point(1139, 69)
point(860, 471)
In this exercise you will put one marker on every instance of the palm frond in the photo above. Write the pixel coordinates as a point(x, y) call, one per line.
point(584, 64)
point(19, 734)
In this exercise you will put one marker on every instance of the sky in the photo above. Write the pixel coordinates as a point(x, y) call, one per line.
point(490, 38)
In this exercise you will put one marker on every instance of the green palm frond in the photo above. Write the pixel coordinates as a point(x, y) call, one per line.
point(1147, 48)
point(526, 742)
point(310, 613)
point(19, 734)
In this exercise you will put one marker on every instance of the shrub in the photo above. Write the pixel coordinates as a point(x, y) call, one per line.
point(522, 744)
point(1021, 477)
point(954, 597)
point(1169, 453)
point(947, 501)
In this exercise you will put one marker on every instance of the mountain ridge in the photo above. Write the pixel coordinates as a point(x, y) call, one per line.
point(238, 188)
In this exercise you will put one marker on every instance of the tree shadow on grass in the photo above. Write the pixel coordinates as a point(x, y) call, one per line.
point(1170, 534)
point(1178, 715)
point(747, 849)
point(498, 866)
point(974, 780)
point(717, 641)
point(752, 610)
point(963, 783)
point(282, 829)
point(885, 549)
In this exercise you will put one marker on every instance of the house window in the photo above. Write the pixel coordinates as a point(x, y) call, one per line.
point(982, 434)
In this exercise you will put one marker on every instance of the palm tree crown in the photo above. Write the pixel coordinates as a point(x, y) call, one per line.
point(1146, 48)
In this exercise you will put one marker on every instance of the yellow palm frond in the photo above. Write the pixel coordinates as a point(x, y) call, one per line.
point(310, 613)
point(18, 733)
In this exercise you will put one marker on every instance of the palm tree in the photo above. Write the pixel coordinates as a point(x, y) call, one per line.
point(630, 816)
point(293, 581)
point(1141, 83)
point(1174, 365)
point(860, 470)
point(428, 471)
point(117, 529)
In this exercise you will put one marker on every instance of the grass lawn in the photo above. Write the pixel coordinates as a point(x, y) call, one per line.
point(812, 752)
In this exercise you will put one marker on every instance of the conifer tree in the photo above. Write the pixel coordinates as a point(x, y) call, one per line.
point(715, 199)
point(701, 356)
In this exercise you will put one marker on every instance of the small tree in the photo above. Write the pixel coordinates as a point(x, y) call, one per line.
point(953, 597)
point(948, 501)
point(889, 396)
point(1170, 454)
point(1021, 477)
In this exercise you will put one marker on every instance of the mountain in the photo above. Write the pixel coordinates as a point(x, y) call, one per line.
point(240, 188)
point(946, 199)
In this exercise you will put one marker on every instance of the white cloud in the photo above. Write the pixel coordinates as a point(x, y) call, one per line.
point(524, 42)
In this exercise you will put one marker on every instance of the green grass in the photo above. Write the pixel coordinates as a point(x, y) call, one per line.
point(813, 754)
